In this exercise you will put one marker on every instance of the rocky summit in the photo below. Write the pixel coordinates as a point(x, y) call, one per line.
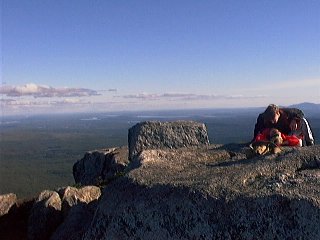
point(213, 193)
point(190, 191)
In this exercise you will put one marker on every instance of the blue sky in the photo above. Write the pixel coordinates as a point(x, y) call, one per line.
point(76, 55)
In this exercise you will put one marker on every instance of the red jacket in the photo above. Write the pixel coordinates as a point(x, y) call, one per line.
point(288, 140)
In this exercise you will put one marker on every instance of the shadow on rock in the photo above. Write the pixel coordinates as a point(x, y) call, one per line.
point(167, 212)
point(14, 225)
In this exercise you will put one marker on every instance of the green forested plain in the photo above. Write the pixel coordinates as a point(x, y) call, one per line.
point(38, 152)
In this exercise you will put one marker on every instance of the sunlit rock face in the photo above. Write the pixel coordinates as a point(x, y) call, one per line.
point(7, 201)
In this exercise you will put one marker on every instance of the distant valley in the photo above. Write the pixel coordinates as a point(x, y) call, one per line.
point(38, 152)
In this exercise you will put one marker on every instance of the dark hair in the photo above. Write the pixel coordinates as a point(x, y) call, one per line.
point(271, 111)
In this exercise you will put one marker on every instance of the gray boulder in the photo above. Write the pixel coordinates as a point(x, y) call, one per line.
point(213, 193)
point(159, 135)
point(45, 215)
point(100, 166)
point(6, 202)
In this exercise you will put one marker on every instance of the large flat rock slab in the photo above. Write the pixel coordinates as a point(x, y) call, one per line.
point(166, 135)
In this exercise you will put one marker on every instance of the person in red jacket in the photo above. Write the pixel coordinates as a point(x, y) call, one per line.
point(289, 121)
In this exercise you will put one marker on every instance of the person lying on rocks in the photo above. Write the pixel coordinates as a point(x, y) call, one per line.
point(270, 140)
point(289, 121)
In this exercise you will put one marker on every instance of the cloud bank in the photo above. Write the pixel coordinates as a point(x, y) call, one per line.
point(33, 98)
point(40, 91)
point(186, 96)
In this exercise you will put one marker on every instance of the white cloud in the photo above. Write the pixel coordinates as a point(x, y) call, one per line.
point(144, 96)
point(39, 98)
point(186, 96)
point(26, 102)
point(34, 106)
point(70, 101)
point(112, 90)
point(36, 91)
